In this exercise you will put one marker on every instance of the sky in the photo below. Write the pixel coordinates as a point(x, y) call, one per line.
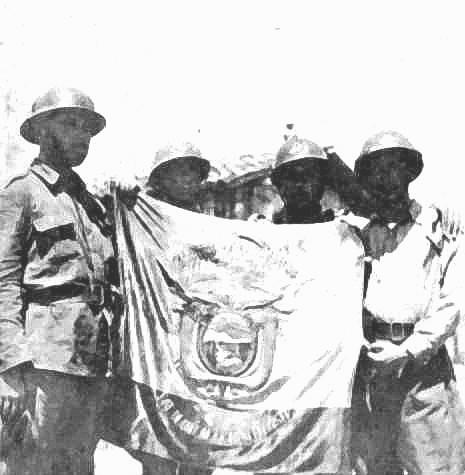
point(238, 71)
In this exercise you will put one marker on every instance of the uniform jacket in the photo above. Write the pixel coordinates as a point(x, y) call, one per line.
point(54, 241)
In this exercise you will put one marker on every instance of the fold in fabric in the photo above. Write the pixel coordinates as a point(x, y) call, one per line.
point(244, 335)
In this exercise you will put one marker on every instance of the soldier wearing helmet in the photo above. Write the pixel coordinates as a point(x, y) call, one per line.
point(300, 174)
point(406, 413)
point(55, 248)
point(177, 173)
point(176, 177)
point(386, 166)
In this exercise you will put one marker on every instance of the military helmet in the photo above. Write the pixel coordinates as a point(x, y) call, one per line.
point(58, 99)
point(293, 150)
point(181, 150)
point(386, 141)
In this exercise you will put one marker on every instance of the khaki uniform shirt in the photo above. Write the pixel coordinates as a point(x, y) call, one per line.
point(54, 242)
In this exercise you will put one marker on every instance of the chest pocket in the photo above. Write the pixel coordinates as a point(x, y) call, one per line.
point(49, 230)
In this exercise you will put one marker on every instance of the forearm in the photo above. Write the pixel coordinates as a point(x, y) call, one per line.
point(432, 332)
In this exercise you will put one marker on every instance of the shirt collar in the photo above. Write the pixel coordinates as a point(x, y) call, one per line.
point(46, 172)
point(412, 215)
point(53, 178)
point(429, 219)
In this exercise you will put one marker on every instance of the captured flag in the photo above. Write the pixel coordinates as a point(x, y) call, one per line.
point(244, 337)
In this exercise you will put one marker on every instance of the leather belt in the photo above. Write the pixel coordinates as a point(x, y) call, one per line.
point(396, 332)
point(98, 296)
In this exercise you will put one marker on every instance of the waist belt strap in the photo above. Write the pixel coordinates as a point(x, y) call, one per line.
point(395, 332)
point(55, 293)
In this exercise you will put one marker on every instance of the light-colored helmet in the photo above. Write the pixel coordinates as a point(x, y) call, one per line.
point(295, 149)
point(385, 141)
point(181, 150)
point(60, 99)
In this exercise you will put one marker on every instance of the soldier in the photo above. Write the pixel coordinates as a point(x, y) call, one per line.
point(300, 174)
point(176, 178)
point(177, 175)
point(407, 414)
point(55, 250)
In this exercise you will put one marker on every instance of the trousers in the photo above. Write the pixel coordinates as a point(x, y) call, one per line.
point(413, 421)
point(58, 432)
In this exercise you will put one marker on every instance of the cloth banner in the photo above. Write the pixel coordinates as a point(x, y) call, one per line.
point(245, 334)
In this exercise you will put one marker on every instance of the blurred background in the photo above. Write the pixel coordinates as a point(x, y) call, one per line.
point(229, 75)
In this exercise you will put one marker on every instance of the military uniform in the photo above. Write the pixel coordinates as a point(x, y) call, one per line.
point(55, 246)
point(298, 149)
point(55, 249)
point(410, 416)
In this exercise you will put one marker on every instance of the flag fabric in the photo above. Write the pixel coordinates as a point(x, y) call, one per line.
point(244, 334)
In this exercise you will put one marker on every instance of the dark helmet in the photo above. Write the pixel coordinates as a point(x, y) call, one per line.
point(182, 150)
point(60, 99)
point(293, 150)
point(389, 140)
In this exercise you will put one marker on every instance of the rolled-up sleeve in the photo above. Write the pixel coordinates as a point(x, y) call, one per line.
point(444, 314)
point(14, 233)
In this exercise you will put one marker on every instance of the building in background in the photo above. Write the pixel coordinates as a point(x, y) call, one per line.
point(243, 189)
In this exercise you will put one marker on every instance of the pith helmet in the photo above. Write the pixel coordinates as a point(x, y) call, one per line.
point(181, 150)
point(386, 141)
point(293, 150)
point(60, 99)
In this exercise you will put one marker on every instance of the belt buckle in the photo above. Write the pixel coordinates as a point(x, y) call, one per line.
point(397, 331)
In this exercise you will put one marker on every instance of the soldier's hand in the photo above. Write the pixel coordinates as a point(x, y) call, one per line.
point(385, 352)
point(452, 222)
point(11, 394)
point(128, 194)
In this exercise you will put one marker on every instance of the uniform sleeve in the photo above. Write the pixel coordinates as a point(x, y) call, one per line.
point(14, 232)
point(441, 322)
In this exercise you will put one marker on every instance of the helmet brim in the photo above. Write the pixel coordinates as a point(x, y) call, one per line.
point(30, 129)
point(415, 161)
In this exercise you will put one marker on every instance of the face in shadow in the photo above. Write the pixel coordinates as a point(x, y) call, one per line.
point(386, 176)
point(179, 179)
point(302, 181)
point(69, 134)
